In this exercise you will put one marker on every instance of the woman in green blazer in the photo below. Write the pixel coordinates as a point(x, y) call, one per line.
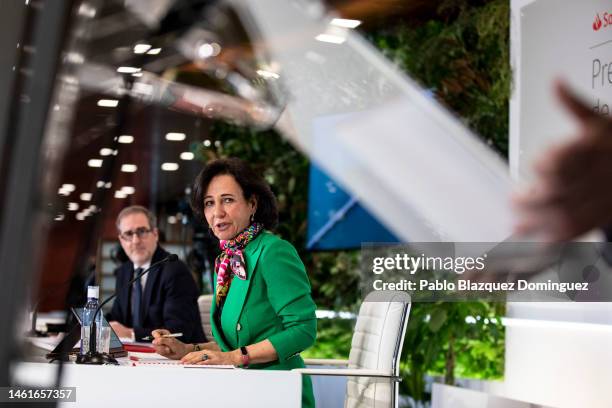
point(262, 315)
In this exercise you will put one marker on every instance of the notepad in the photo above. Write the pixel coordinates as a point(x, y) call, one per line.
point(177, 363)
point(138, 360)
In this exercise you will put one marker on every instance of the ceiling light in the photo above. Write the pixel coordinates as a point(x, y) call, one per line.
point(128, 190)
point(205, 51)
point(128, 168)
point(141, 48)
point(172, 219)
point(85, 10)
point(94, 162)
point(80, 216)
point(345, 23)
point(100, 184)
point(207, 143)
point(75, 58)
point(154, 51)
point(68, 187)
point(175, 137)
point(187, 156)
point(267, 74)
point(120, 194)
point(108, 185)
point(106, 151)
point(125, 139)
point(59, 217)
point(330, 38)
point(108, 103)
point(128, 70)
point(169, 166)
point(73, 206)
point(86, 196)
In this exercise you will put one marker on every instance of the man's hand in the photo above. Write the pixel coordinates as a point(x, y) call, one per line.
point(121, 330)
point(572, 194)
point(169, 346)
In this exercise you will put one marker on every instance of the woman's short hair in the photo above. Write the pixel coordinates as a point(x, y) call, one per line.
point(252, 184)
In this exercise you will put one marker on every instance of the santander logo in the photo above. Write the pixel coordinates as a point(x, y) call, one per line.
point(598, 23)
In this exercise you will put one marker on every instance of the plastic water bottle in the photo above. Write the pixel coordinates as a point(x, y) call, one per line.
point(88, 315)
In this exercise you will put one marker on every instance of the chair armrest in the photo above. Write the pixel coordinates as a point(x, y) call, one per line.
point(346, 372)
point(325, 361)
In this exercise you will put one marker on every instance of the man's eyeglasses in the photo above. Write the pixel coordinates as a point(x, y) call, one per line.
point(141, 232)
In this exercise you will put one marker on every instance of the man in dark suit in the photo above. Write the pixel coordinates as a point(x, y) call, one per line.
point(166, 297)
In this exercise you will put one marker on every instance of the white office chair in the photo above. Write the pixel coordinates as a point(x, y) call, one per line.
point(205, 304)
point(373, 364)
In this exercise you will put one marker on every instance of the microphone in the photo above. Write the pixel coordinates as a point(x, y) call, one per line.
point(93, 356)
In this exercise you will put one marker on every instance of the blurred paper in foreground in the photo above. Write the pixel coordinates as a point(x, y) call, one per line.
point(407, 159)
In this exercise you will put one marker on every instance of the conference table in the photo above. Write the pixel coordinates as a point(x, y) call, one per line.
point(159, 385)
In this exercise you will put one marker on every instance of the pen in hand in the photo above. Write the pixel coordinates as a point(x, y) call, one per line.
point(164, 336)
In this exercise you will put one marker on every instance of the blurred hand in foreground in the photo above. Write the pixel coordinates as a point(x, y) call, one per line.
point(572, 193)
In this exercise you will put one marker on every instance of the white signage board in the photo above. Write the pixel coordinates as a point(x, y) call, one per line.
point(569, 40)
point(555, 39)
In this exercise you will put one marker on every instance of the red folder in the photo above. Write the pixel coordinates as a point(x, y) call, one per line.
point(138, 348)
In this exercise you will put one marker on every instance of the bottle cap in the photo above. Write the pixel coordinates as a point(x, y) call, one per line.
point(93, 292)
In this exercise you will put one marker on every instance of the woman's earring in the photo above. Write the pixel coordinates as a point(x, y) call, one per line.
point(252, 217)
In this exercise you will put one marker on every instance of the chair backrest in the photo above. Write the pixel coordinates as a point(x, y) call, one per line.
point(377, 345)
point(205, 304)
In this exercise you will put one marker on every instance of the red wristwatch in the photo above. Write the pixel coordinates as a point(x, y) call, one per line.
point(245, 357)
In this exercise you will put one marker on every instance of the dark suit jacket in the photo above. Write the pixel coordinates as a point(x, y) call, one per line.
point(169, 300)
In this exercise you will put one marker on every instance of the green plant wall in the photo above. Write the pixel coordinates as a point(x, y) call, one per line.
point(462, 55)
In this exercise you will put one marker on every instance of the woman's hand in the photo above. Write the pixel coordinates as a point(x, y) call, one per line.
point(169, 346)
point(208, 357)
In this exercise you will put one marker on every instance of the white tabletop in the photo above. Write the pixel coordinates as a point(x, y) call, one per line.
point(168, 385)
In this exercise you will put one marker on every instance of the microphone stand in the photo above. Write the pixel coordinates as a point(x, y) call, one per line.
point(93, 356)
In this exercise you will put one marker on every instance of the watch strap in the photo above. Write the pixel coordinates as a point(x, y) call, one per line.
point(245, 357)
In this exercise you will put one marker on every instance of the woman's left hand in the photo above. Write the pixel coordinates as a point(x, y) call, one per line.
point(212, 357)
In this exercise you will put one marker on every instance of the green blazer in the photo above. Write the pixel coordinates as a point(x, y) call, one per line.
point(273, 303)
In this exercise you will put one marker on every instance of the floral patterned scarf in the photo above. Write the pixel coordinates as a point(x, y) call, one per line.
point(231, 260)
